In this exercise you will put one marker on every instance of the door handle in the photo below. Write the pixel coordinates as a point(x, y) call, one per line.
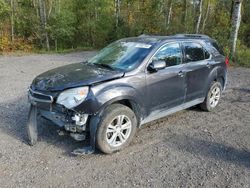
point(181, 74)
point(208, 65)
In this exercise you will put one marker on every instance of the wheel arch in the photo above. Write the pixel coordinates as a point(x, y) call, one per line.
point(95, 118)
point(217, 74)
point(222, 80)
point(126, 101)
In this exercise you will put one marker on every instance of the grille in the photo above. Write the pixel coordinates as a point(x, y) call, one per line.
point(39, 97)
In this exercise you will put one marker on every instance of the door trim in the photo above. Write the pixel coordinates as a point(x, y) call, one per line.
point(160, 114)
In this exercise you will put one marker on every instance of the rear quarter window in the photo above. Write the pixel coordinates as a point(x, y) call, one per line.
point(214, 48)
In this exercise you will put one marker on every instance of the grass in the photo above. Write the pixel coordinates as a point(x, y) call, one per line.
point(243, 57)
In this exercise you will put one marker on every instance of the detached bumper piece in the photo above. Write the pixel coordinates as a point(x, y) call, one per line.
point(73, 122)
point(32, 126)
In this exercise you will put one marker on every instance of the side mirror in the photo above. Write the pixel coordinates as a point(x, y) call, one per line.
point(156, 65)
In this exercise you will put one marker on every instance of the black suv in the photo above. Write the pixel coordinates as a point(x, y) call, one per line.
point(129, 83)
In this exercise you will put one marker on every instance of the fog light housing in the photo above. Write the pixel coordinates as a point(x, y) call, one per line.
point(80, 119)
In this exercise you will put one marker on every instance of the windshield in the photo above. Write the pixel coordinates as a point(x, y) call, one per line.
point(122, 55)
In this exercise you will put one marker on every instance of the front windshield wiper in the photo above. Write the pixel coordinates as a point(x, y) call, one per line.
point(104, 65)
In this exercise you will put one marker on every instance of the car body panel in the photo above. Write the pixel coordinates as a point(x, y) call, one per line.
point(73, 75)
point(126, 88)
point(165, 88)
point(196, 77)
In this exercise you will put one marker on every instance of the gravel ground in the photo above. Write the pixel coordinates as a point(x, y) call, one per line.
point(188, 149)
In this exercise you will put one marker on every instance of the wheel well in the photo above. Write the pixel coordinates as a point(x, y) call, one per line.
point(221, 80)
point(133, 106)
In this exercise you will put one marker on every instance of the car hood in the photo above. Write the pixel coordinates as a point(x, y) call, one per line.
point(73, 75)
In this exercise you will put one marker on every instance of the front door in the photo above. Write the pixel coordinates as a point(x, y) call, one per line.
point(166, 87)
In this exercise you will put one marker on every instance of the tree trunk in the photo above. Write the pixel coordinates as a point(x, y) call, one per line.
point(194, 10)
point(56, 48)
point(169, 13)
point(206, 16)
point(50, 7)
point(58, 11)
point(186, 14)
point(117, 12)
point(232, 9)
point(166, 13)
point(236, 19)
point(198, 22)
point(43, 21)
point(12, 20)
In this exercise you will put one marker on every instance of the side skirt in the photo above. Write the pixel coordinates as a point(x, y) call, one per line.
point(162, 113)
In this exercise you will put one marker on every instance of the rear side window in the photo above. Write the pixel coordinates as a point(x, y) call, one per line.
point(195, 52)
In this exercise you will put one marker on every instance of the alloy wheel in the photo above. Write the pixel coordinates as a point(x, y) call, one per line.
point(118, 131)
point(214, 96)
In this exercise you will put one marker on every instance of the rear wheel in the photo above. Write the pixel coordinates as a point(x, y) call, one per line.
point(213, 97)
point(116, 129)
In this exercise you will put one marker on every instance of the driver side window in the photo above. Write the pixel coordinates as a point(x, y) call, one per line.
point(170, 53)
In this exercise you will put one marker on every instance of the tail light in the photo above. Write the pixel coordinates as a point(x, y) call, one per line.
point(227, 62)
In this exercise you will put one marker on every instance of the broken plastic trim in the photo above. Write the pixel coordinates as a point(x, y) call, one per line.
point(34, 97)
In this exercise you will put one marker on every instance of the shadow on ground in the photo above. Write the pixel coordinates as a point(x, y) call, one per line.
point(210, 149)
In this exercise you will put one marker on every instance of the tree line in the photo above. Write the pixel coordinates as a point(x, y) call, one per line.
point(63, 24)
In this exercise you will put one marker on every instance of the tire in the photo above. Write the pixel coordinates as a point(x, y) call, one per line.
point(111, 135)
point(214, 92)
point(32, 126)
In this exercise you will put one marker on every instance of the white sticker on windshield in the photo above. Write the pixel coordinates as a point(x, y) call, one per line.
point(140, 45)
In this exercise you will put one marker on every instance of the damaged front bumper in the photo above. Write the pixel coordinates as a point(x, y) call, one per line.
point(70, 120)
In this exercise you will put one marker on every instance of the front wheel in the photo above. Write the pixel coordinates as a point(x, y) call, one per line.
point(212, 97)
point(116, 128)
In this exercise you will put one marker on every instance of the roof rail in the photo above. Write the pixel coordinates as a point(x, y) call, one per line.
point(192, 36)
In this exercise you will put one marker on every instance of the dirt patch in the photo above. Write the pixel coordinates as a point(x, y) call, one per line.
point(188, 149)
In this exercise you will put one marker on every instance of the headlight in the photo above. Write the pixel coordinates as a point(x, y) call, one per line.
point(72, 97)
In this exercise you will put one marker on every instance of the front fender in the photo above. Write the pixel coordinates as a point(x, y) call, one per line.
point(106, 96)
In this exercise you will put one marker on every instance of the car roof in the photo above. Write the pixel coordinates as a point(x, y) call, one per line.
point(155, 39)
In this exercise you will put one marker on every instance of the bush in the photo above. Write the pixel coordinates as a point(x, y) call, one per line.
point(19, 44)
point(243, 57)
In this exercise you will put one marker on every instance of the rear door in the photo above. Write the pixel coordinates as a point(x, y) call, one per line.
point(166, 87)
point(197, 68)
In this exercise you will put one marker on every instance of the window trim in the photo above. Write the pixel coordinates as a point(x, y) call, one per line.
point(205, 50)
point(163, 45)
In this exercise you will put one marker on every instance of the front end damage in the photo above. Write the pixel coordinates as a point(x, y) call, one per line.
point(68, 120)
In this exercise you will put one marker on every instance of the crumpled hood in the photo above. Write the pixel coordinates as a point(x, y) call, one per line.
point(73, 75)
